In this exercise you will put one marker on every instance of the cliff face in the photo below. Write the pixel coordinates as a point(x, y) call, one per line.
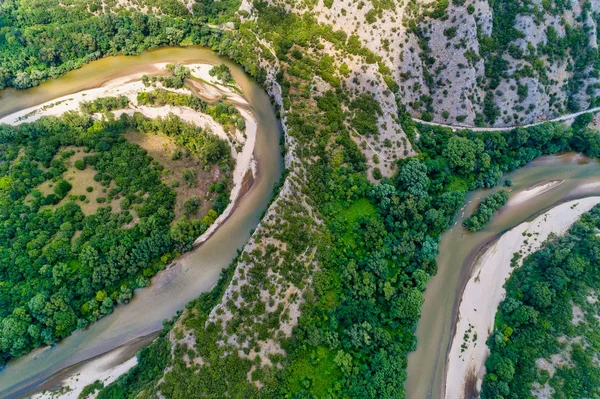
point(476, 62)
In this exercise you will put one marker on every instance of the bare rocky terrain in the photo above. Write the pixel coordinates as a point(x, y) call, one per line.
point(458, 63)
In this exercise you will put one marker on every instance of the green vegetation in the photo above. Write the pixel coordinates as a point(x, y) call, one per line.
point(376, 247)
point(42, 39)
point(550, 315)
point(486, 210)
point(104, 104)
point(367, 111)
point(61, 269)
point(90, 389)
point(224, 113)
point(375, 244)
point(222, 72)
point(179, 74)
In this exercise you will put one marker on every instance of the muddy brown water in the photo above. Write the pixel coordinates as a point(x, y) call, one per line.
point(459, 249)
point(197, 271)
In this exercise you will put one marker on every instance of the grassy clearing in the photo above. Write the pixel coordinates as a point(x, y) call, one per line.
point(163, 149)
point(349, 216)
point(81, 180)
point(317, 371)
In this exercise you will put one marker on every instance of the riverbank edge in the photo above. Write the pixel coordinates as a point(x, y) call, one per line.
point(123, 359)
point(467, 274)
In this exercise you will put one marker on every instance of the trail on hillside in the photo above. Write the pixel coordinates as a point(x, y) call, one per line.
point(500, 129)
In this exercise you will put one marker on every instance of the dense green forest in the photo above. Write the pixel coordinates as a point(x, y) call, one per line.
point(546, 333)
point(64, 264)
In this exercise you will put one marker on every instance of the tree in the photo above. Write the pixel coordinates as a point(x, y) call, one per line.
point(462, 153)
point(540, 295)
point(407, 307)
point(413, 178)
point(62, 188)
point(79, 164)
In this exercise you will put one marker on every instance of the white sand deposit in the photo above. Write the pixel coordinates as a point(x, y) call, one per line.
point(106, 368)
point(484, 291)
point(533, 192)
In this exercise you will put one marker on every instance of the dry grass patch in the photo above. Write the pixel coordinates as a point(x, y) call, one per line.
point(81, 180)
point(162, 149)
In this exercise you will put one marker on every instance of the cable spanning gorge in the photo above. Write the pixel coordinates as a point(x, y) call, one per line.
point(257, 171)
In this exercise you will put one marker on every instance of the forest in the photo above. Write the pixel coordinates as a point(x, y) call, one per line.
point(62, 266)
point(546, 331)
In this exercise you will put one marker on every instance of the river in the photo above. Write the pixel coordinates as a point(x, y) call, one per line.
point(459, 249)
point(196, 271)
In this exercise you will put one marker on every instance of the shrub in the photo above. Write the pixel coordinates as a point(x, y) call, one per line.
point(79, 164)
point(62, 188)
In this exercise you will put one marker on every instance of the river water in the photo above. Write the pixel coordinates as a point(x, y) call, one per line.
point(459, 249)
point(197, 271)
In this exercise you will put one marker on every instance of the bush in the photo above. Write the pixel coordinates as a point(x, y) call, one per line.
point(377, 174)
point(79, 164)
point(222, 72)
point(62, 188)
point(192, 206)
point(189, 176)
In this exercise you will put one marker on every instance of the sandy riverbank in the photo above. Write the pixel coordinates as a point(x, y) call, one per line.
point(105, 369)
point(540, 189)
point(131, 85)
point(245, 163)
point(484, 291)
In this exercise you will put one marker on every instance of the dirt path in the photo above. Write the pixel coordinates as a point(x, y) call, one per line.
point(501, 129)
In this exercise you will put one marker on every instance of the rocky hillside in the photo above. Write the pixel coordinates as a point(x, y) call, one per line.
point(477, 62)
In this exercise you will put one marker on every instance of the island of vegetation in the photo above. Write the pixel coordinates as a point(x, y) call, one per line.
point(485, 210)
